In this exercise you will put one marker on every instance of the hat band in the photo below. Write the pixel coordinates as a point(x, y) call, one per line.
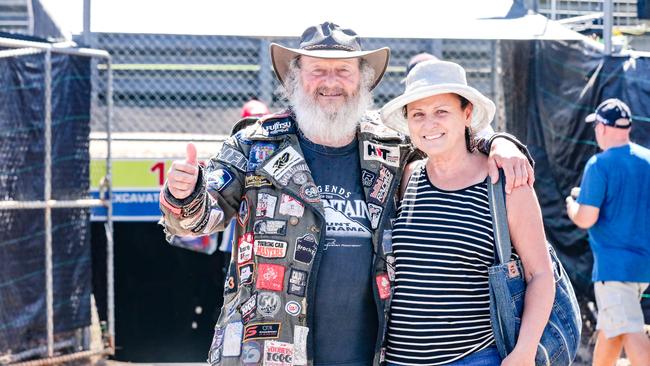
point(328, 47)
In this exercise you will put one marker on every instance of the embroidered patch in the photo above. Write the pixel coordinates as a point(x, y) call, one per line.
point(390, 267)
point(214, 356)
point(278, 353)
point(259, 152)
point(256, 181)
point(383, 286)
point(309, 193)
point(219, 179)
point(230, 155)
point(385, 154)
point(268, 304)
point(382, 185)
point(367, 178)
point(290, 206)
point(297, 282)
point(232, 339)
point(298, 169)
point(270, 227)
point(270, 277)
point(265, 205)
point(270, 248)
point(242, 217)
point(230, 286)
point(300, 345)
point(245, 248)
point(278, 127)
point(246, 274)
point(374, 214)
point(251, 353)
point(300, 178)
point(305, 249)
point(262, 331)
point(282, 162)
point(293, 308)
point(248, 308)
point(215, 217)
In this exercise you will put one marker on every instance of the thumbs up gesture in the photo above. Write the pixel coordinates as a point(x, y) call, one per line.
point(183, 174)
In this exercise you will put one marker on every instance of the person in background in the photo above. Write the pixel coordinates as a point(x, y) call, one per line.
point(442, 239)
point(613, 204)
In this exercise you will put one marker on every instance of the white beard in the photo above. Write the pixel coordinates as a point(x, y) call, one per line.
point(329, 126)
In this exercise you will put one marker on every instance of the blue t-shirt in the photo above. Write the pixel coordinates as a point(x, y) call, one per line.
point(345, 315)
point(617, 181)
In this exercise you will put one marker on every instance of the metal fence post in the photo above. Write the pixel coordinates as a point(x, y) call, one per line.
point(48, 210)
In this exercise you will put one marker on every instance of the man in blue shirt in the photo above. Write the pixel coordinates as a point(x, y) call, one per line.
point(614, 205)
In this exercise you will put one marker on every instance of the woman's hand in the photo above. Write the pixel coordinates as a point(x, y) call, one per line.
point(517, 358)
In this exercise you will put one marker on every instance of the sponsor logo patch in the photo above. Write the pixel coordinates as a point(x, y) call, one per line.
point(374, 214)
point(305, 249)
point(232, 339)
point(270, 277)
point(214, 356)
point(382, 185)
point(251, 353)
point(282, 162)
point(270, 248)
point(300, 178)
point(297, 282)
point(219, 179)
point(385, 154)
point(390, 267)
point(262, 331)
point(242, 216)
point(248, 308)
point(300, 345)
point(367, 177)
point(230, 286)
point(293, 308)
point(278, 353)
point(259, 152)
point(270, 227)
point(268, 304)
point(281, 127)
point(256, 181)
point(265, 205)
point(383, 286)
point(245, 248)
point(309, 193)
point(246, 274)
point(233, 157)
point(290, 206)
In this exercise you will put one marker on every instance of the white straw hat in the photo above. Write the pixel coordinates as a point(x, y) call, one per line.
point(435, 77)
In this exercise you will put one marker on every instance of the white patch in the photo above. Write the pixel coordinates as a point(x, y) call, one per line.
point(278, 353)
point(282, 162)
point(385, 154)
point(374, 214)
point(270, 248)
point(265, 205)
point(300, 345)
point(232, 339)
point(290, 206)
point(216, 215)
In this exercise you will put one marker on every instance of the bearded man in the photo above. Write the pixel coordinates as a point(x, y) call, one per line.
point(313, 190)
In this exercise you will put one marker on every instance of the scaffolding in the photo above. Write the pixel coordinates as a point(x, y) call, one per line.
point(15, 48)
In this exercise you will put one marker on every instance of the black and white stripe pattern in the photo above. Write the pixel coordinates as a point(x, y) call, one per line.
point(443, 245)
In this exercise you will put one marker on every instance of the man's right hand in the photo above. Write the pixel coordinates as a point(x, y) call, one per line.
point(183, 174)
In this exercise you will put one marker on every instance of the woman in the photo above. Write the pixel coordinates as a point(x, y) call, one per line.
point(442, 238)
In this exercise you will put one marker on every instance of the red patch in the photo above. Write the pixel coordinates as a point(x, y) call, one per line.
point(245, 248)
point(270, 277)
point(383, 286)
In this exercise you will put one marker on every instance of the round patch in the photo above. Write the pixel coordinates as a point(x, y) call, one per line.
point(300, 178)
point(251, 353)
point(292, 308)
point(309, 192)
point(268, 304)
point(293, 220)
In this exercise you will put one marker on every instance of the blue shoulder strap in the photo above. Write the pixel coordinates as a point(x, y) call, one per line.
point(497, 200)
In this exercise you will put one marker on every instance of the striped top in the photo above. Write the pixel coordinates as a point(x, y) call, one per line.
point(443, 246)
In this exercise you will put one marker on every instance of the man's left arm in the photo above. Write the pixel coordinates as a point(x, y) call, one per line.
point(508, 153)
point(584, 216)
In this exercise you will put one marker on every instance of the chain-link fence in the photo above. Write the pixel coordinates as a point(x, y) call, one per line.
point(624, 11)
point(198, 84)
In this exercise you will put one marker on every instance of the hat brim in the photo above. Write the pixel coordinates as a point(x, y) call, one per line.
point(591, 118)
point(482, 114)
point(281, 57)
